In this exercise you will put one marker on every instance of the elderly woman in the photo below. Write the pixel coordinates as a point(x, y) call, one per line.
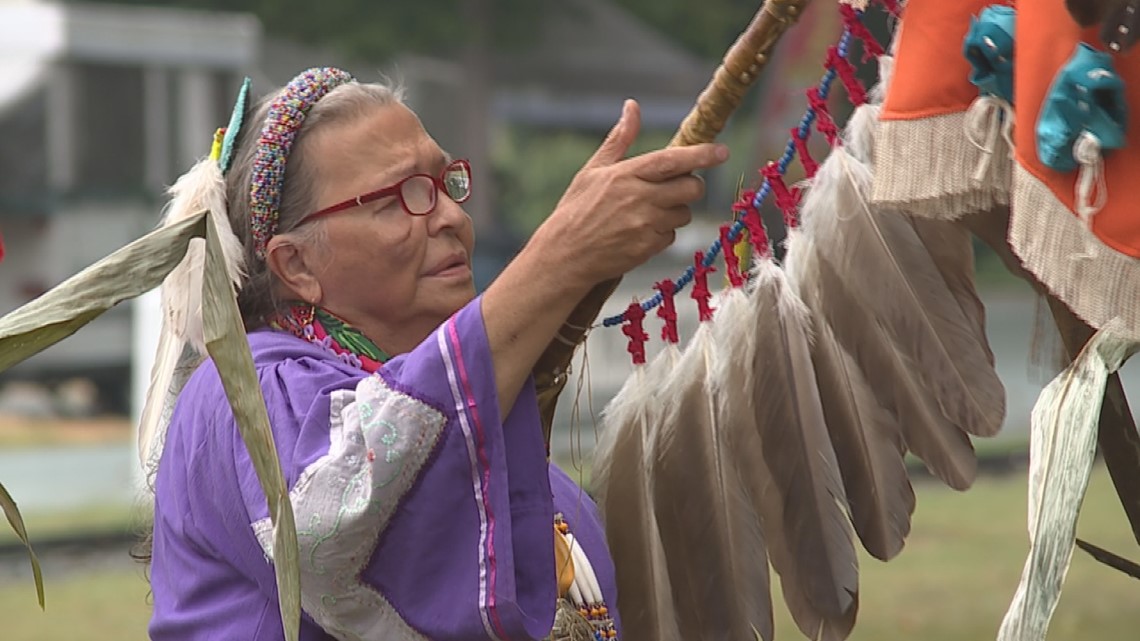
point(402, 404)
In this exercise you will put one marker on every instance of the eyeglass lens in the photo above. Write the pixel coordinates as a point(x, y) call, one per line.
point(419, 192)
point(457, 181)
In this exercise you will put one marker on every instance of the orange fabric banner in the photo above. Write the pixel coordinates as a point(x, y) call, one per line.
point(931, 76)
point(1046, 38)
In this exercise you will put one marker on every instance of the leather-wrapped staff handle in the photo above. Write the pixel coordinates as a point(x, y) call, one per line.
point(741, 66)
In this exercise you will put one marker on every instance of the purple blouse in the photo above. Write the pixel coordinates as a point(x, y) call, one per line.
point(421, 513)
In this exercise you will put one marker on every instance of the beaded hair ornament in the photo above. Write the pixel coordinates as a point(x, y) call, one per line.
point(286, 115)
point(225, 138)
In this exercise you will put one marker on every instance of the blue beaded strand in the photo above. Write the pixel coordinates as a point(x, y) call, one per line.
point(765, 189)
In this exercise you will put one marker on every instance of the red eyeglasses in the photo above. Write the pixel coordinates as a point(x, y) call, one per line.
point(418, 193)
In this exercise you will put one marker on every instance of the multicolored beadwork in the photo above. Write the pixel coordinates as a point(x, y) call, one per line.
point(596, 613)
point(286, 115)
point(321, 327)
point(225, 156)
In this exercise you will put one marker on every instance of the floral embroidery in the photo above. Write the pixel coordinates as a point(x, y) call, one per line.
point(346, 498)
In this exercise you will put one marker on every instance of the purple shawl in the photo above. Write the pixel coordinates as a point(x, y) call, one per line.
point(421, 513)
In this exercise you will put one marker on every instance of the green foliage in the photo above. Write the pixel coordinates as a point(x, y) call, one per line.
point(8, 505)
point(376, 30)
point(705, 28)
point(533, 168)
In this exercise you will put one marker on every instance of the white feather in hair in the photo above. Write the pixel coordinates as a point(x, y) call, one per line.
point(203, 187)
point(182, 346)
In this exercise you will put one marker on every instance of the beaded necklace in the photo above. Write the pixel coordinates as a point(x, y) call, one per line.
point(581, 613)
point(319, 326)
point(580, 588)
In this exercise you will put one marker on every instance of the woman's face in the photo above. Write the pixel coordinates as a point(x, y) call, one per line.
point(388, 272)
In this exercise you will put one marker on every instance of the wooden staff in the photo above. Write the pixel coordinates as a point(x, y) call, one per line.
point(741, 67)
point(742, 64)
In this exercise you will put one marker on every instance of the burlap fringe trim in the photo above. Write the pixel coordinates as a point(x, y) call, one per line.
point(926, 168)
point(1097, 282)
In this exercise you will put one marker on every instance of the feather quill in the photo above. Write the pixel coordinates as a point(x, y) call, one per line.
point(714, 547)
point(182, 344)
point(867, 439)
point(623, 486)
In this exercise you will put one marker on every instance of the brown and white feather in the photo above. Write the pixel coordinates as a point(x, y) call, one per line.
point(867, 439)
point(622, 483)
point(890, 272)
point(714, 545)
point(951, 247)
point(734, 380)
point(796, 446)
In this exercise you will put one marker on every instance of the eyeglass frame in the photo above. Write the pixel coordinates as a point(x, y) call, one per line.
point(398, 190)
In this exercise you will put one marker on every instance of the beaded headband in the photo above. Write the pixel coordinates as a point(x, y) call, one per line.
point(286, 115)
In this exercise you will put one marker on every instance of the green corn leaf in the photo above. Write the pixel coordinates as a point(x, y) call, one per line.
point(226, 342)
point(59, 313)
point(127, 273)
point(17, 522)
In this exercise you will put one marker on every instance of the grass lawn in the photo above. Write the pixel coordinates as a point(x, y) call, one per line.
point(16, 432)
point(102, 606)
point(953, 582)
point(955, 578)
point(98, 520)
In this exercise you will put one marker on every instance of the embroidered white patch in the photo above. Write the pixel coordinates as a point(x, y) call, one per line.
point(379, 440)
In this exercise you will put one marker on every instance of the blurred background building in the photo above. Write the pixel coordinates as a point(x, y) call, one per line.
point(107, 104)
